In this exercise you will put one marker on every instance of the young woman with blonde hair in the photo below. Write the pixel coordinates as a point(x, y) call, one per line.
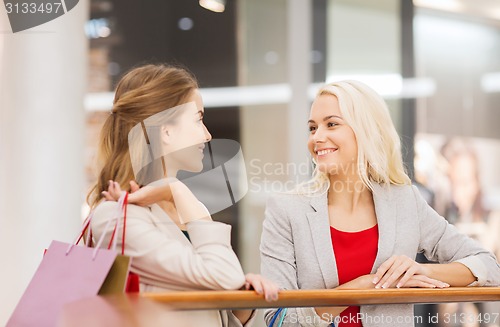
point(154, 130)
point(359, 222)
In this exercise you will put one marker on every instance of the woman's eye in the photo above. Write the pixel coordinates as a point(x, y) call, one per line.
point(312, 128)
point(331, 124)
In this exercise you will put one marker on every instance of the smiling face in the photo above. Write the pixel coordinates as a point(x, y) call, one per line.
point(187, 137)
point(332, 142)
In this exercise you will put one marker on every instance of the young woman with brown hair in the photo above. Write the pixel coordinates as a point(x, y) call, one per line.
point(154, 130)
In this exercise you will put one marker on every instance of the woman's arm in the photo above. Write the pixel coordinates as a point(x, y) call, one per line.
point(141, 196)
point(441, 241)
point(454, 273)
point(261, 285)
point(462, 261)
point(366, 282)
point(185, 201)
point(162, 259)
point(278, 258)
point(329, 313)
point(168, 189)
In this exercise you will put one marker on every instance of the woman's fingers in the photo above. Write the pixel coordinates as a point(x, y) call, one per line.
point(270, 290)
point(424, 281)
point(115, 191)
point(263, 286)
point(402, 271)
point(255, 283)
point(107, 196)
point(399, 266)
point(409, 274)
point(419, 284)
point(392, 273)
point(383, 269)
point(134, 186)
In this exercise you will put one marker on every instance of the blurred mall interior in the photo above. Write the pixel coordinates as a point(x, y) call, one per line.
point(258, 62)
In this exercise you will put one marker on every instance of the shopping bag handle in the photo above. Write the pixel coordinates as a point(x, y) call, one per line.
point(87, 225)
point(122, 208)
point(121, 201)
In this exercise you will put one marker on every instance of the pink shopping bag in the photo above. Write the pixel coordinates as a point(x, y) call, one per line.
point(67, 273)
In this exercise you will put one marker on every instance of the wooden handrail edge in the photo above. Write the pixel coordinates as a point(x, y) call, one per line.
point(197, 300)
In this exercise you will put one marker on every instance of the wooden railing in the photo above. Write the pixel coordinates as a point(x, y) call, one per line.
point(149, 309)
point(300, 298)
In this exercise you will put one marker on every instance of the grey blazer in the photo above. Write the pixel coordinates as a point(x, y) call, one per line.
point(296, 249)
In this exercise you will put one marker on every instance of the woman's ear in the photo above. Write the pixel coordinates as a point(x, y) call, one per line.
point(165, 135)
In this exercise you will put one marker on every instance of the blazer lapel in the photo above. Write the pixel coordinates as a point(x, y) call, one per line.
point(386, 210)
point(320, 230)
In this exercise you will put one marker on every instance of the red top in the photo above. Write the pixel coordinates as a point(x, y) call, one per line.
point(355, 254)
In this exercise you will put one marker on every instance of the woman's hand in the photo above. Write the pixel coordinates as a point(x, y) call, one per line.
point(424, 282)
point(366, 282)
point(141, 196)
point(402, 271)
point(171, 190)
point(114, 190)
point(362, 282)
point(262, 285)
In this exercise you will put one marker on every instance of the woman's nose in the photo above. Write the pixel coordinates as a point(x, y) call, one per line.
point(318, 136)
point(208, 136)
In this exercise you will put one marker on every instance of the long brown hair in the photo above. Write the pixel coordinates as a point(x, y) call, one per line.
point(141, 93)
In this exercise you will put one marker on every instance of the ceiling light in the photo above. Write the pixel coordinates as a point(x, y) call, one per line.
point(445, 5)
point(214, 5)
point(185, 23)
point(494, 13)
point(490, 82)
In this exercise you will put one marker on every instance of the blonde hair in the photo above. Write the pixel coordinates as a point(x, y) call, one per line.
point(141, 93)
point(379, 147)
